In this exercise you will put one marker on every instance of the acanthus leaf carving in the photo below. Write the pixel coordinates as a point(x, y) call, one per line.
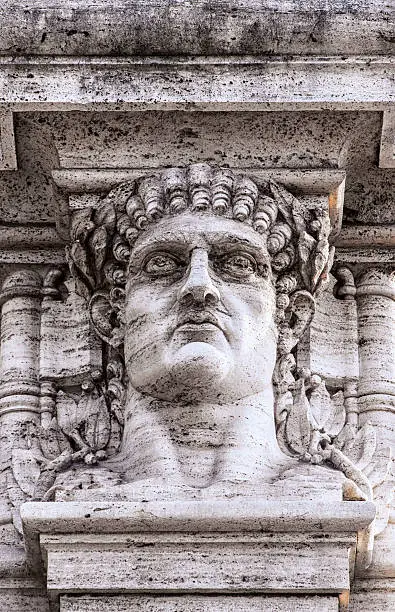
point(298, 430)
point(312, 425)
point(98, 242)
point(85, 428)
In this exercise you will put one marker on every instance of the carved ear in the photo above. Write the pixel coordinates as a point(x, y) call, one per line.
point(104, 319)
point(302, 306)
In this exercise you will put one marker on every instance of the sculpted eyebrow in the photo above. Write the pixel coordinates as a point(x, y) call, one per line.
point(232, 239)
point(158, 243)
point(181, 242)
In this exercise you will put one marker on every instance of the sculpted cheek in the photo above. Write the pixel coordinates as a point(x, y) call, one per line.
point(141, 301)
point(147, 322)
point(253, 302)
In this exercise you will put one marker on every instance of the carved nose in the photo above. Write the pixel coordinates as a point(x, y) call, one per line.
point(199, 287)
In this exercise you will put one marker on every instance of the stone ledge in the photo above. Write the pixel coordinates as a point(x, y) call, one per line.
point(200, 603)
point(223, 547)
point(229, 515)
point(144, 27)
point(202, 515)
point(201, 83)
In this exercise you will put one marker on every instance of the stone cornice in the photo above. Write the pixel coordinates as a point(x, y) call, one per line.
point(141, 27)
point(365, 255)
point(204, 83)
point(366, 236)
point(20, 236)
point(32, 256)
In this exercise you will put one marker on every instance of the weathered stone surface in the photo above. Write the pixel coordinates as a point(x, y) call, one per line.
point(237, 515)
point(173, 83)
point(150, 140)
point(165, 547)
point(175, 391)
point(166, 27)
point(199, 603)
point(19, 598)
point(374, 593)
point(241, 140)
point(231, 266)
point(189, 566)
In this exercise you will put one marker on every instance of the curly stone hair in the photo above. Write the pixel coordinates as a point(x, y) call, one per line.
point(296, 233)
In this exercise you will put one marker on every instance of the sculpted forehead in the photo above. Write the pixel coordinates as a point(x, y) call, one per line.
point(197, 230)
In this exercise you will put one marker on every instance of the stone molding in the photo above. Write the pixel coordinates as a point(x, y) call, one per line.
point(24, 283)
point(8, 160)
point(75, 540)
point(166, 27)
point(204, 83)
point(366, 236)
point(208, 515)
point(376, 281)
point(15, 238)
point(91, 180)
point(288, 542)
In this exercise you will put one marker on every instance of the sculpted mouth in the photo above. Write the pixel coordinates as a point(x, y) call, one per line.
point(200, 321)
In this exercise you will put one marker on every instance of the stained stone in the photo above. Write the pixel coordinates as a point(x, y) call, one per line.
point(197, 351)
point(199, 603)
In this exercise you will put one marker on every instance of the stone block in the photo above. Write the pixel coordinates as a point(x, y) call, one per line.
point(199, 603)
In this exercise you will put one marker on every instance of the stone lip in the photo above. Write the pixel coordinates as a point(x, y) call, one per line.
point(174, 27)
point(241, 515)
point(230, 515)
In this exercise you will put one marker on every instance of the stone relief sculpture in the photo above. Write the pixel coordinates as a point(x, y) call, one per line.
point(200, 283)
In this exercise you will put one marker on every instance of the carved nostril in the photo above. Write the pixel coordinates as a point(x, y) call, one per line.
point(211, 299)
point(186, 299)
point(200, 294)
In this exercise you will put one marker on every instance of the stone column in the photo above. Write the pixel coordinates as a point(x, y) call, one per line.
point(20, 301)
point(375, 295)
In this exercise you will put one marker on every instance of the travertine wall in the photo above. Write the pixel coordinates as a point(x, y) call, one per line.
point(296, 94)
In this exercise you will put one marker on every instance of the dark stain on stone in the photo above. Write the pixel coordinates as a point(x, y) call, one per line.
point(387, 37)
point(74, 32)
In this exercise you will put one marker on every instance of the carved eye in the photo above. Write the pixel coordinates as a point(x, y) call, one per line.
point(240, 265)
point(161, 264)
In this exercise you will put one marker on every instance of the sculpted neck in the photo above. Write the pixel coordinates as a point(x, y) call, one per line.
point(199, 444)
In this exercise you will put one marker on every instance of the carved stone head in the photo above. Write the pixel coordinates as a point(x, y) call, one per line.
point(201, 278)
